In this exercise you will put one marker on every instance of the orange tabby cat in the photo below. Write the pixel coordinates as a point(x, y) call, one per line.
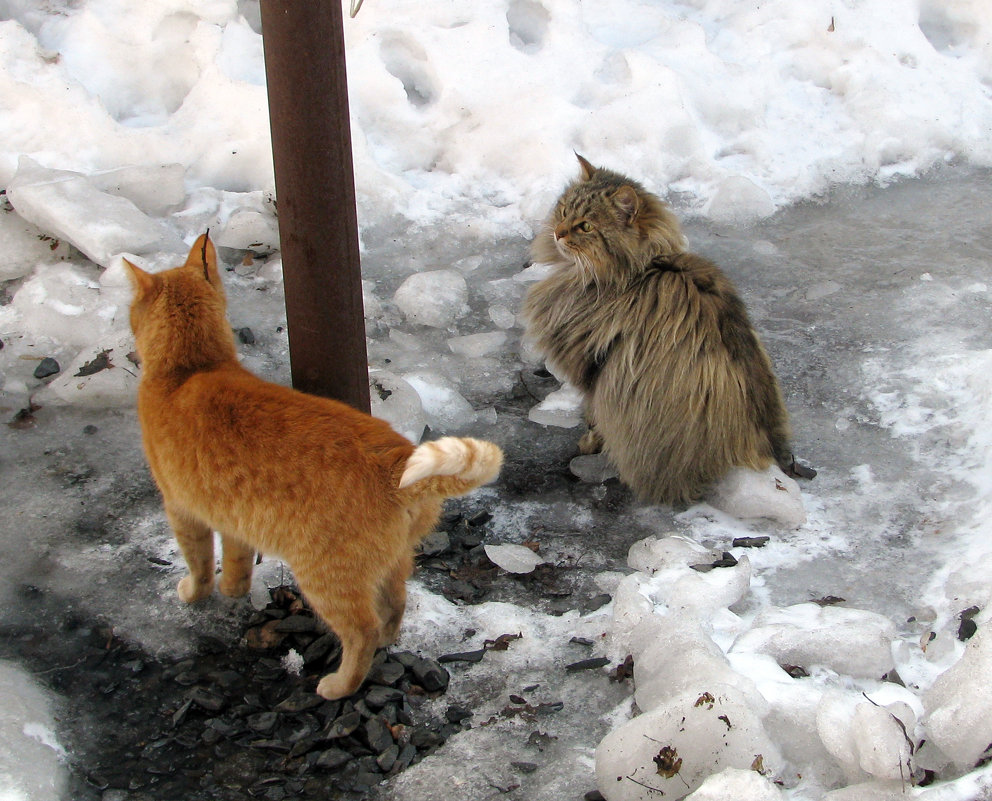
point(337, 494)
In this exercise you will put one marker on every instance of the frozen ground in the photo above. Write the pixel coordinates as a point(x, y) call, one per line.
point(874, 306)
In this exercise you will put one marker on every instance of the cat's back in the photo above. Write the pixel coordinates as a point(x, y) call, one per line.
point(229, 419)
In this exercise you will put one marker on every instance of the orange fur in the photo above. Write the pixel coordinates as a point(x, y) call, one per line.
point(304, 478)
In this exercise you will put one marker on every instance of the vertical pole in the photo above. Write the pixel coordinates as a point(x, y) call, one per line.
point(315, 195)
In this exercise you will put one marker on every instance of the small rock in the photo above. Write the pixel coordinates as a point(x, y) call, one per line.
point(430, 675)
point(457, 713)
point(212, 702)
point(263, 722)
point(387, 759)
point(524, 767)
point(464, 656)
point(345, 725)
point(378, 696)
point(246, 336)
point(378, 735)
point(299, 702)
point(46, 367)
point(435, 543)
point(387, 673)
point(332, 759)
point(588, 664)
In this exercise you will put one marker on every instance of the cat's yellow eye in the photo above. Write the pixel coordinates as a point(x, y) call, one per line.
point(584, 226)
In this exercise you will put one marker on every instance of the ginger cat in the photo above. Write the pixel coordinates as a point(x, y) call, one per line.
point(337, 494)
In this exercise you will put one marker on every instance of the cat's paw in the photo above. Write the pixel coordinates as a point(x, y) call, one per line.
point(334, 686)
point(234, 588)
point(591, 442)
point(190, 590)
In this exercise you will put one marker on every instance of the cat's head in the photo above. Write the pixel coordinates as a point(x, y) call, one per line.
point(178, 316)
point(608, 227)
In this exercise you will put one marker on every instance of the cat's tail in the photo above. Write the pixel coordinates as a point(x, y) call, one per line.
point(452, 466)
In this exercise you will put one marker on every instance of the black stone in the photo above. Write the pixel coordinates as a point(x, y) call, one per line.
point(210, 701)
point(524, 767)
point(464, 656)
point(387, 759)
point(47, 367)
point(378, 696)
point(343, 726)
point(388, 673)
point(588, 664)
point(378, 735)
point(456, 713)
point(263, 722)
point(333, 758)
point(430, 675)
point(246, 336)
point(300, 702)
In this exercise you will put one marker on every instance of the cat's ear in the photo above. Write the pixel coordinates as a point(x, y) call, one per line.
point(627, 202)
point(203, 258)
point(144, 283)
point(586, 169)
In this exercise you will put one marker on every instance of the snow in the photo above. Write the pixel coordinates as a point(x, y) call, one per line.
point(789, 136)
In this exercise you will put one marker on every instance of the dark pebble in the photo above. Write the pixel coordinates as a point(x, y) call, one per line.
point(387, 759)
point(387, 673)
point(378, 735)
point(343, 726)
point(246, 336)
point(457, 713)
point(967, 629)
point(593, 795)
point(332, 759)
point(263, 722)
point(378, 696)
point(517, 699)
point(212, 702)
point(430, 675)
point(596, 602)
point(90, 429)
point(480, 519)
point(46, 367)
point(407, 754)
point(296, 624)
point(300, 702)
point(524, 767)
point(750, 542)
point(465, 656)
point(588, 664)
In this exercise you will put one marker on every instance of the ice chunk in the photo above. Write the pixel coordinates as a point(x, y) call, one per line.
point(739, 200)
point(701, 591)
point(593, 468)
point(630, 608)
point(68, 206)
point(155, 189)
point(502, 316)
point(475, 345)
point(833, 723)
point(373, 307)
point(673, 656)
point(445, 408)
point(851, 641)
point(513, 558)
point(562, 408)
point(31, 759)
point(396, 402)
point(770, 493)
point(959, 703)
point(249, 229)
point(881, 740)
point(740, 785)
point(67, 303)
point(435, 298)
point(879, 791)
point(658, 553)
point(24, 246)
point(99, 377)
point(674, 747)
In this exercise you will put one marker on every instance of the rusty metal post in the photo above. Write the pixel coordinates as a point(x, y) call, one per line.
point(315, 195)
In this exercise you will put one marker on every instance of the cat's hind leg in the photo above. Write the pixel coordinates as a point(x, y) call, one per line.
point(392, 595)
point(196, 541)
point(355, 620)
point(236, 566)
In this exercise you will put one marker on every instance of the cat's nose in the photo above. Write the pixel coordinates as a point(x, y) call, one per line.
point(560, 231)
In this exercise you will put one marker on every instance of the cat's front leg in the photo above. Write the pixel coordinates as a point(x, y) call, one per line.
point(196, 541)
point(236, 566)
point(591, 441)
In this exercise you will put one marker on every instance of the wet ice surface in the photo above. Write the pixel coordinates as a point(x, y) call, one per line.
point(874, 307)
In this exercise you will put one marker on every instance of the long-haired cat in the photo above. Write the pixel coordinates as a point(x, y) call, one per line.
point(337, 494)
point(678, 388)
